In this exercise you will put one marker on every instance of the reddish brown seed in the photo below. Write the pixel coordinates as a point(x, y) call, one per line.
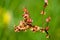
point(47, 28)
point(46, 1)
point(16, 30)
point(27, 26)
point(43, 13)
point(29, 20)
point(45, 5)
point(25, 10)
point(48, 19)
point(38, 28)
point(21, 23)
point(42, 30)
point(22, 28)
point(33, 29)
point(25, 15)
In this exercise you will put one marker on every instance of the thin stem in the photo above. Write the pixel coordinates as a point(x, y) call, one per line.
point(43, 17)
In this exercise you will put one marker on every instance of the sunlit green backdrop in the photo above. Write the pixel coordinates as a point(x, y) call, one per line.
point(10, 15)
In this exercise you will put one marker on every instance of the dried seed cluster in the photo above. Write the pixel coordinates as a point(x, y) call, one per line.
point(27, 23)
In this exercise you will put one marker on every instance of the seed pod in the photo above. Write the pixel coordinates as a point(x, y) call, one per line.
point(25, 10)
point(43, 13)
point(22, 28)
point(25, 15)
point(29, 20)
point(46, 1)
point(17, 29)
point(42, 30)
point(47, 28)
point(38, 28)
point(48, 19)
point(27, 26)
point(35, 28)
point(21, 23)
point(47, 36)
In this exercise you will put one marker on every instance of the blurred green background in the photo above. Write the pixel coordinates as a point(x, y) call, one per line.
point(11, 13)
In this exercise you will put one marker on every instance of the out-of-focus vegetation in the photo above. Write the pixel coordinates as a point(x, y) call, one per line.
point(10, 15)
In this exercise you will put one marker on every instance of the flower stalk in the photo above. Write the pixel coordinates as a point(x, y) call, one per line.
point(26, 23)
